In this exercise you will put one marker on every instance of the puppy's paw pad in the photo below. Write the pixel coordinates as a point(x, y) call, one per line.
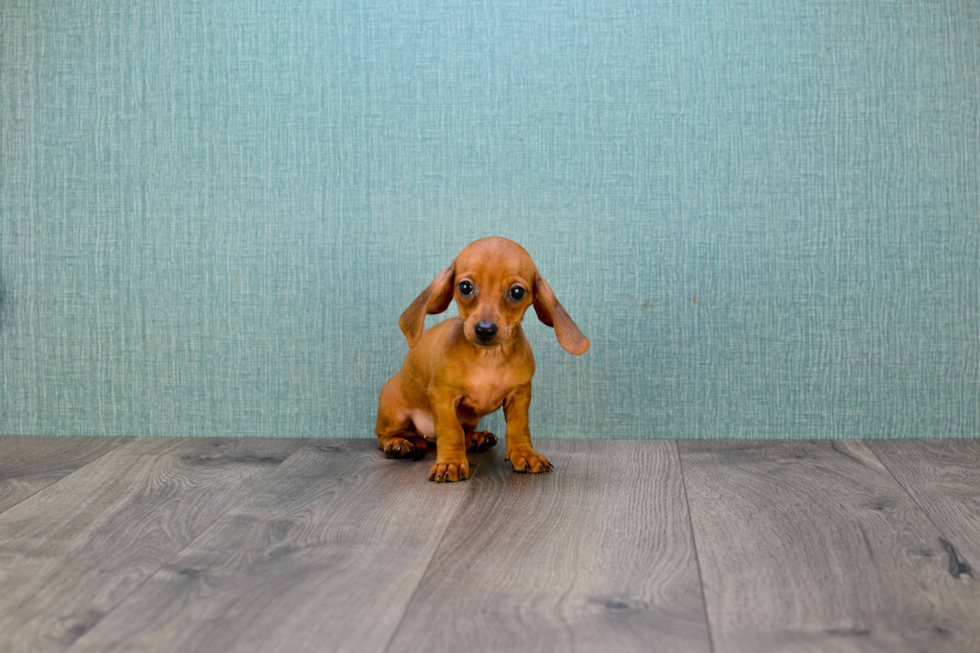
point(529, 462)
point(480, 440)
point(449, 472)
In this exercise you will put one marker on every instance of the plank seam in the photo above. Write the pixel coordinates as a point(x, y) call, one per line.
point(694, 543)
point(462, 500)
point(908, 493)
point(150, 575)
point(51, 485)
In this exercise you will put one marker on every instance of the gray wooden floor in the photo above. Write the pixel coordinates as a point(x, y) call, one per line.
point(165, 544)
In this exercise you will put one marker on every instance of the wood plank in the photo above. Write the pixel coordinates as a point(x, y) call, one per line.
point(943, 476)
point(597, 556)
point(74, 550)
point(813, 546)
point(31, 463)
point(324, 558)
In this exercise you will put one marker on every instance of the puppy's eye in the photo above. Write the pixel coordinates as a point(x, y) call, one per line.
point(465, 288)
point(517, 293)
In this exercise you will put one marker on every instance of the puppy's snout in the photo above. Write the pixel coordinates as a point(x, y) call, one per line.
point(485, 331)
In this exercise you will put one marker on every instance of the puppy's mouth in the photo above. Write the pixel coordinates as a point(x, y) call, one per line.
point(485, 344)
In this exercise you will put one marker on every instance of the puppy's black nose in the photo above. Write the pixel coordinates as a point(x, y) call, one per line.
point(485, 330)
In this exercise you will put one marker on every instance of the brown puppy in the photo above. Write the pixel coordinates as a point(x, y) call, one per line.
point(464, 368)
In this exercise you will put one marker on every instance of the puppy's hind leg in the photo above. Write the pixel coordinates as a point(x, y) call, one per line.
point(479, 440)
point(403, 445)
point(397, 435)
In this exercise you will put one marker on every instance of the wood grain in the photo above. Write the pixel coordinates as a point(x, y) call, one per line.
point(31, 463)
point(325, 558)
point(943, 476)
point(74, 550)
point(813, 546)
point(597, 556)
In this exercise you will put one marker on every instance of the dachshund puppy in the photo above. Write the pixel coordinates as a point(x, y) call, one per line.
point(467, 367)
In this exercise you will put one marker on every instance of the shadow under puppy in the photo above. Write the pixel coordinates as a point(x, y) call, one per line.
point(469, 366)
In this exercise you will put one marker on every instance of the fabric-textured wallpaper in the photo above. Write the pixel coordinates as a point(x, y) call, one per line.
point(764, 215)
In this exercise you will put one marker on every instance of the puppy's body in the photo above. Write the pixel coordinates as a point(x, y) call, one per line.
point(467, 367)
point(482, 378)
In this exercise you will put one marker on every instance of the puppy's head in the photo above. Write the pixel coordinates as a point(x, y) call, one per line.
point(493, 281)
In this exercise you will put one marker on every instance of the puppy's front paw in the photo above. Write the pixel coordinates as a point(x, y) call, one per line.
point(528, 460)
point(449, 470)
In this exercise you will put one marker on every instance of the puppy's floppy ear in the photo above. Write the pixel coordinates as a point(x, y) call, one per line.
point(551, 313)
point(434, 299)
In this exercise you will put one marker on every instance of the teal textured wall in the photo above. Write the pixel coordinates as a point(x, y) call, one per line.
point(764, 215)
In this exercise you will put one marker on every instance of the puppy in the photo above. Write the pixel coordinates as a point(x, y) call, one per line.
point(469, 366)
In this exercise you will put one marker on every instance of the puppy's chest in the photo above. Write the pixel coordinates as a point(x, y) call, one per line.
point(485, 389)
